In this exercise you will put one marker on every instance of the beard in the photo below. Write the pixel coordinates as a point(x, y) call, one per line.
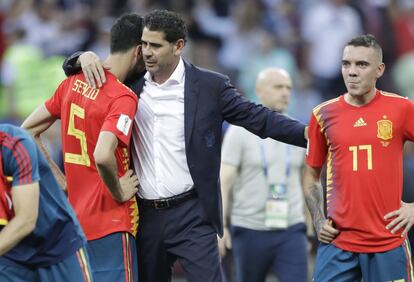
point(135, 73)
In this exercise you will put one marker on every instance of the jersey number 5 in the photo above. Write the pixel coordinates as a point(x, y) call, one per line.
point(355, 149)
point(82, 158)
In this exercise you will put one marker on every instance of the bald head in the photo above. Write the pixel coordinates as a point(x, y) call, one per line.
point(273, 87)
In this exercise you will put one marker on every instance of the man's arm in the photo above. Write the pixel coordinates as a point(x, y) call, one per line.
point(37, 123)
point(314, 200)
point(60, 177)
point(71, 64)
point(260, 120)
point(25, 200)
point(124, 188)
point(90, 64)
point(228, 174)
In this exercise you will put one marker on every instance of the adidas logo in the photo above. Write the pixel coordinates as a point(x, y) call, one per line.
point(360, 122)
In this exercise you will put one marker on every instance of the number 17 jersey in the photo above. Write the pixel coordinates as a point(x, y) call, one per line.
point(363, 151)
point(85, 112)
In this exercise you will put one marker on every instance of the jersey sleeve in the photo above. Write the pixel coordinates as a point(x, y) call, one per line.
point(20, 159)
point(232, 146)
point(317, 147)
point(54, 104)
point(120, 118)
point(409, 121)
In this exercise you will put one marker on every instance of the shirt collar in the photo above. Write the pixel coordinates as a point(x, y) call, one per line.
point(176, 77)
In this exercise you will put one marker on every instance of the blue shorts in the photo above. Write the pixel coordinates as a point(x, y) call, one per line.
point(73, 268)
point(334, 264)
point(114, 258)
point(284, 251)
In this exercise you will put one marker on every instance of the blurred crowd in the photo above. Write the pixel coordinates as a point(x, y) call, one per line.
point(236, 37)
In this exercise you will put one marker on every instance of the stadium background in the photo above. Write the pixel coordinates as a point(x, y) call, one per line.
point(235, 37)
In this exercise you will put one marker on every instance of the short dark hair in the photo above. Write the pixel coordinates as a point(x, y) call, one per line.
point(366, 40)
point(126, 33)
point(171, 23)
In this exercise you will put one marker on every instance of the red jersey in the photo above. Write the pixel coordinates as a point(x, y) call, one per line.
point(6, 207)
point(363, 150)
point(85, 112)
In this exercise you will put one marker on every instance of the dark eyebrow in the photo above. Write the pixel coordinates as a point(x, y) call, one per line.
point(362, 63)
point(151, 44)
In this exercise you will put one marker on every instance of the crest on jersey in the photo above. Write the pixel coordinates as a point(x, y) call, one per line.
point(384, 129)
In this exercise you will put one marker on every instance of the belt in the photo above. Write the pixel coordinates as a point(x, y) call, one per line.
point(170, 202)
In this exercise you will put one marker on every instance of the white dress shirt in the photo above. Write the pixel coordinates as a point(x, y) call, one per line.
point(158, 135)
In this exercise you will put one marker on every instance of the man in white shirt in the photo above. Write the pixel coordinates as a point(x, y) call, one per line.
point(177, 147)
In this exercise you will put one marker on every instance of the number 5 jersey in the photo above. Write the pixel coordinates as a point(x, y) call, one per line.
point(85, 112)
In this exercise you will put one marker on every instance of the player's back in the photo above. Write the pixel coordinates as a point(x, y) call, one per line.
point(85, 112)
point(57, 233)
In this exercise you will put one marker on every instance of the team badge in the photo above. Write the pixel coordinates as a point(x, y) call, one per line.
point(384, 130)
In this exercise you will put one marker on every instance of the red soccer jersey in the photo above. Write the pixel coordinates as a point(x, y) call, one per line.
point(363, 150)
point(6, 207)
point(84, 113)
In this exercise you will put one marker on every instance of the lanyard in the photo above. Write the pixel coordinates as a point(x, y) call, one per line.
point(265, 165)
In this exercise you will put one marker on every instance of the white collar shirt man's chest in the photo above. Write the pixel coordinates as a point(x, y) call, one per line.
point(158, 135)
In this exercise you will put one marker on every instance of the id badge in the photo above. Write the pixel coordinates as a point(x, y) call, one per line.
point(276, 215)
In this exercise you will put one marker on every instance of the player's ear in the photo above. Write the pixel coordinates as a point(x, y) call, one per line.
point(138, 51)
point(380, 70)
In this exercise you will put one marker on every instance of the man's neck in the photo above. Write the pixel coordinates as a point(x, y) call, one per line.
point(360, 100)
point(117, 63)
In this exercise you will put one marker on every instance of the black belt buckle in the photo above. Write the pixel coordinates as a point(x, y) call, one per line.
point(163, 204)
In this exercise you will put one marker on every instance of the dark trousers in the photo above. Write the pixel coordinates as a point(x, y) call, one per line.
point(283, 251)
point(183, 233)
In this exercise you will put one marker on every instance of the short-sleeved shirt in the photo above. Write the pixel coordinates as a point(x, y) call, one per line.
point(250, 191)
point(85, 112)
point(363, 151)
point(57, 233)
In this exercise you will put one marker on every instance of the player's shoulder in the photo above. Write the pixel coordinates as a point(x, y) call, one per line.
point(326, 104)
point(10, 131)
point(15, 137)
point(72, 78)
point(72, 83)
point(115, 89)
point(392, 96)
point(63, 85)
point(398, 102)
